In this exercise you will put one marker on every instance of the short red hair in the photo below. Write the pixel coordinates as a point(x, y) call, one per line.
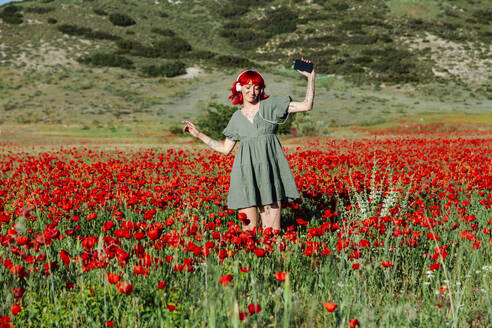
point(244, 78)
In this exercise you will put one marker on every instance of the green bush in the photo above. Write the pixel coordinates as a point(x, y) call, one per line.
point(121, 20)
point(100, 12)
point(168, 70)
point(12, 15)
point(201, 54)
point(232, 61)
point(52, 20)
point(171, 47)
point(163, 31)
point(278, 21)
point(214, 121)
point(39, 10)
point(107, 59)
point(369, 39)
point(86, 32)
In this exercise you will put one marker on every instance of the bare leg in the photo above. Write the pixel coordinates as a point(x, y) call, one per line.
point(270, 215)
point(251, 216)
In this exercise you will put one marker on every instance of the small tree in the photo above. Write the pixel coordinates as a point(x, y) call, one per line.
point(121, 20)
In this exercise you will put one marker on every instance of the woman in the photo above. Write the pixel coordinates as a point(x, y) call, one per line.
point(260, 177)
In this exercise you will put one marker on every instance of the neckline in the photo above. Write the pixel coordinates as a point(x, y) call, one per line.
point(251, 122)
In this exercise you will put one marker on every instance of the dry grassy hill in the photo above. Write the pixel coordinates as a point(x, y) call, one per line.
point(114, 65)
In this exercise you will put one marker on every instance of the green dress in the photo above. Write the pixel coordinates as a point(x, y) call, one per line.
point(260, 174)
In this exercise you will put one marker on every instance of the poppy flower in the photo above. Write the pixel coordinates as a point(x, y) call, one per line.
point(330, 306)
point(302, 222)
point(254, 308)
point(243, 218)
point(18, 292)
point(109, 323)
point(243, 315)
point(171, 307)
point(15, 309)
point(225, 279)
point(113, 278)
point(125, 287)
point(245, 269)
point(435, 266)
point(161, 285)
point(354, 323)
point(355, 266)
point(281, 276)
point(387, 264)
point(260, 252)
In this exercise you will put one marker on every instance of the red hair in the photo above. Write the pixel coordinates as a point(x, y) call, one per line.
point(244, 78)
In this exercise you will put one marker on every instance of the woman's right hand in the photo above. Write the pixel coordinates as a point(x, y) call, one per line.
point(191, 129)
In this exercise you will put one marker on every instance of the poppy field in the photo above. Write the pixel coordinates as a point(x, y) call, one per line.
point(390, 231)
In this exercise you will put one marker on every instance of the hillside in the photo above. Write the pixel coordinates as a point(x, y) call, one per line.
point(117, 64)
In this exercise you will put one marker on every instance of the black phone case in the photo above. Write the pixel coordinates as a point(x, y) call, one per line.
point(303, 66)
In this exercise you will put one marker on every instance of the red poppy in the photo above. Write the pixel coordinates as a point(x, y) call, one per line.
point(109, 323)
point(245, 269)
point(161, 285)
point(260, 252)
point(386, 264)
point(125, 287)
point(171, 307)
point(302, 222)
point(354, 323)
point(281, 276)
point(113, 278)
point(243, 218)
point(435, 266)
point(15, 309)
point(225, 279)
point(330, 306)
point(254, 308)
point(355, 266)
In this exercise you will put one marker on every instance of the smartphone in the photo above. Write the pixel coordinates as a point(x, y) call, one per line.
point(303, 66)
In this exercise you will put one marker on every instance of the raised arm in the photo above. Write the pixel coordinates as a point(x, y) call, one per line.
point(307, 104)
point(224, 147)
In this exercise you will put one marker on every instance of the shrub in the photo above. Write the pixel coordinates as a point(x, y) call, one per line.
point(86, 32)
point(121, 20)
point(39, 10)
point(107, 59)
point(214, 121)
point(164, 32)
point(99, 11)
point(12, 15)
point(278, 21)
point(233, 61)
point(483, 16)
point(369, 39)
point(52, 20)
point(171, 47)
point(201, 54)
point(168, 70)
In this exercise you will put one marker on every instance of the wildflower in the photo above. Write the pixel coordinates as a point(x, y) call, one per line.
point(125, 288)
point(113, 278)
point(281, 276)
point(387, 264)
point(354, 323)
point(254, 308)
point(225, 279)
point(15, 309)
point(330, 306)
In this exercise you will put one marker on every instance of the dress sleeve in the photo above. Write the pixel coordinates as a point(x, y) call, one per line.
point(230, 130)
point(279, 107)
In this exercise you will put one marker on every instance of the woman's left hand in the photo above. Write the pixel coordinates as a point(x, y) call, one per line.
point(307, 74)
